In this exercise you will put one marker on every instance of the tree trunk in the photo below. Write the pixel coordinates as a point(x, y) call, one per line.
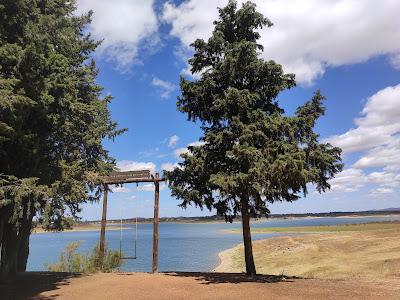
point(248, 248)
point(2, 225)
point(8, 266)
point(23, 237)
point(5, 213)
point(14, 244)
point(23, 245)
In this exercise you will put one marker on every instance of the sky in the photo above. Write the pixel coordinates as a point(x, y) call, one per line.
point(348, 49)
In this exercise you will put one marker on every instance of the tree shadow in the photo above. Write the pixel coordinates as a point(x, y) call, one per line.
point(215, 278)
point(30, 284)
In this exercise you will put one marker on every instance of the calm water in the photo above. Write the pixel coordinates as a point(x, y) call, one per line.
point(182, 247)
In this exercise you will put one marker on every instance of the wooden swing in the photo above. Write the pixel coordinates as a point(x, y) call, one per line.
point(130, 177)
point(135, 243)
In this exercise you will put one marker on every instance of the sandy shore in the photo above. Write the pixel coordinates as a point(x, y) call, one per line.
point(79, 228)
point(178, 286)
point(342, 255)
point(227, 263)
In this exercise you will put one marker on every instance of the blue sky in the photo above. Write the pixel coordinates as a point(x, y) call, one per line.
point(350, 50)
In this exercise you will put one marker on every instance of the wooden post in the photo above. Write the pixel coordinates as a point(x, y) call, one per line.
point(155, 220)
point(103, 229)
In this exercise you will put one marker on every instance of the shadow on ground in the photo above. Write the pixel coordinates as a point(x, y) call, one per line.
point(30, 284)
point(211, 278)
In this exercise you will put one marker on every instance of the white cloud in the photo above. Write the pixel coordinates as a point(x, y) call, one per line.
point(385, 179)
point(352, 179)
point(349, 180)
point(308, 35)
point(386, 156)
point(119, 189)
point(127, 165)
point(125, 25)
point(169, 166)
point(173, 140)
point(380, 191)
point(395, 61)
point(377, 138)
point(378, 126)
point(150, 187)
point(178, 152)
point(166, 87)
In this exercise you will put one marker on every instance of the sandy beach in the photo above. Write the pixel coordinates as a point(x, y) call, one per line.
point(80, 228)
point(362, 253)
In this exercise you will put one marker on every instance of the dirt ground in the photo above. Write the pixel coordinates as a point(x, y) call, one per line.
point(191, 286)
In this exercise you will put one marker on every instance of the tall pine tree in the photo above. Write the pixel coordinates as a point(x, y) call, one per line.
point(251, 153)
point(53, 120)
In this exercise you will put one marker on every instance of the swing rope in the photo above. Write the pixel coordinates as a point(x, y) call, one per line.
point(120, 239)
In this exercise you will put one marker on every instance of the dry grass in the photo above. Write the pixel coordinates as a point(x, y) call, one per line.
point(325, 228)
point(346, 254)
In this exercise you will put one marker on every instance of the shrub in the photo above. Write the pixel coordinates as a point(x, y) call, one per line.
point(70, 261)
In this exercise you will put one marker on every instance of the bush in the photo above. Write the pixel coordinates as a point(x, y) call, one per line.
point(70, 261)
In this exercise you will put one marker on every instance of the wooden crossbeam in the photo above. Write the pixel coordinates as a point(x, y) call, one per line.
point(129, 177)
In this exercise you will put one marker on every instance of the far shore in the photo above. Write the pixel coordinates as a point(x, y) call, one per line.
point(115, 225)
point(322, 228)
point(258, 220)
point(349, 251)
point(80, 228)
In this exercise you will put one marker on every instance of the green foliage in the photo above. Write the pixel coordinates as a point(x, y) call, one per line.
point(251, 150)
point(53, 116)
point(53, 120)
point(70, 261)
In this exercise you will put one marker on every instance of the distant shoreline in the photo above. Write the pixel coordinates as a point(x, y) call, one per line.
point(114, 225)
point(217, 219)
point(79, 229)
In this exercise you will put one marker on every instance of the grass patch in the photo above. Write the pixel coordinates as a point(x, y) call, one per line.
point(326, 228)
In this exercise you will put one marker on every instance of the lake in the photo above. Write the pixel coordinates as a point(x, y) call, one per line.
point(182, 247)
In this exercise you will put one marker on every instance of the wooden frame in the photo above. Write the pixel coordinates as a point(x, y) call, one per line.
point(131, 177)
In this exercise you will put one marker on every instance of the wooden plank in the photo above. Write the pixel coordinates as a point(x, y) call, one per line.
point(134, 180)
point(155, 224)
point(137, 173)
point(122, 177)
point(103, 229)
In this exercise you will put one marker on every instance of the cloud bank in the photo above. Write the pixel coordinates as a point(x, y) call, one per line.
point(377, 138)
point(308, 35)
point(125, 26)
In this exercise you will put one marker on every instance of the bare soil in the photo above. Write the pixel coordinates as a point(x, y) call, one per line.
point(191, 286)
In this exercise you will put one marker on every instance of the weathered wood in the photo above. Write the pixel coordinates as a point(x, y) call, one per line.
point(119, 177)
point(155, 224)
point(103, 229)
point(131, 177)
point(132, 180)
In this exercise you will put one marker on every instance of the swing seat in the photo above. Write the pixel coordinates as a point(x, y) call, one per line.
point(128, 257)
point(120, 245)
